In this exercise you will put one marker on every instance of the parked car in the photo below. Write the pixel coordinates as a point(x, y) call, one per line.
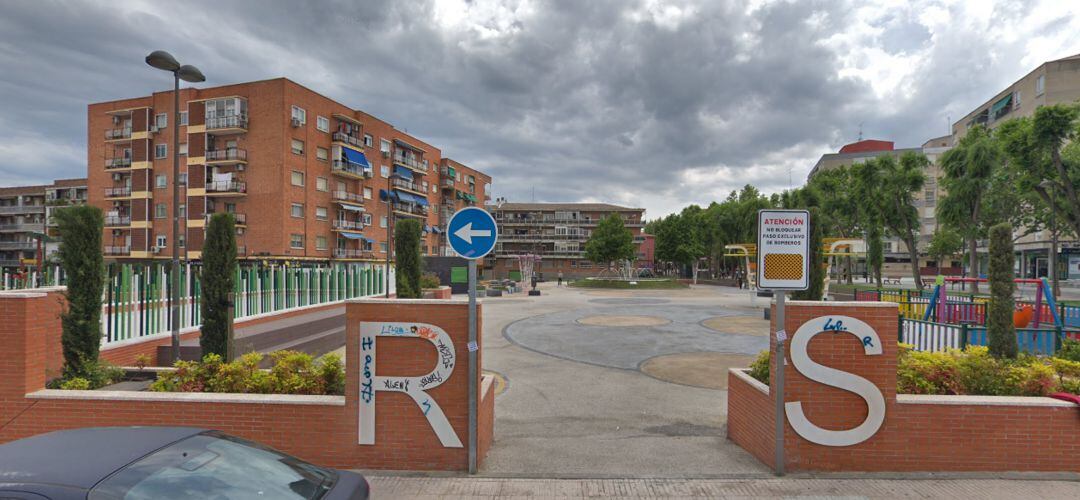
point(161, 463)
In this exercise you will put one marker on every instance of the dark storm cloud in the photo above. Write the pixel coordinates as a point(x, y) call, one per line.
point(602, 100)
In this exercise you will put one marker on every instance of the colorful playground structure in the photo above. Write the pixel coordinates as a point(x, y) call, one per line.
point(937, 319)
point(832, 248)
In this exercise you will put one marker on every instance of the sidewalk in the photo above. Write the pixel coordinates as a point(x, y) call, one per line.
point(461, 488)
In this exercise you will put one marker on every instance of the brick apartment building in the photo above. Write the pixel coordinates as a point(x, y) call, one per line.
point(306, 177)
point(26, 213)
point(557, 232)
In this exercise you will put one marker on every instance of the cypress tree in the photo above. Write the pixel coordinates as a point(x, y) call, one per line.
point(407, 258)
point(1000, 330)
point(817, 261)
point(80, 256)
point(218, 270)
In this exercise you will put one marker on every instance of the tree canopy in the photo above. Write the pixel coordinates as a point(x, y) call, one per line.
point(611, 241)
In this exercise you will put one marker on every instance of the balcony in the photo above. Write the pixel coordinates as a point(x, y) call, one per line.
point(118, 134)
point(117, 220)
point(18, 245)
point(112, 250)
point(447, 183)
point(551, 221)
point(25, 227)
point(398, 183)
point(349, 169)
point(347, 197)
point(114, 163)
point(342, 137)
point(239, 219)
point(226, 156)
point(118, 192)
point(410, 210)
point(353, 253)
point(10, 263)
point(226, 188)
point(347, 225)
point(22, 209)
point(409, 162)
point(236, 123)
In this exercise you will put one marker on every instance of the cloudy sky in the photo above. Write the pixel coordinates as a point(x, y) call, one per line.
point(647, 103)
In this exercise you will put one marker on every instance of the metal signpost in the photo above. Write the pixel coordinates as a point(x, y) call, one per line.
point(472, 233)
point(783, 252)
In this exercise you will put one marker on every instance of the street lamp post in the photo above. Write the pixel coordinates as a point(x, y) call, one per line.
point(1048, 184)
point(166, 62)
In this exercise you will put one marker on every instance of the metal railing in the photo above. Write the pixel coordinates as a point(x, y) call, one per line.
point(238, 218)
point(346, 167)
point(18, 245)
point(227, 154)
point(22, 209)
point(117, 220)
point(118, 133)
point(23, 227)
point(353, 253)
point(404, 184)
point(410, 209)
point(935, 337)
point(409, 161)
point(970, 309)
point(117, 192)
point(226, 186)
point(347, 196)
point(117, 162)
point(114, 250)
point(236, 120)
point(509, 221)
point(348, 139)
point(348, 225)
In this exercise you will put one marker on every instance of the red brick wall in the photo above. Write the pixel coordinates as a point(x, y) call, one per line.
point(323, 430)
point(935, 436)
point(441, 293)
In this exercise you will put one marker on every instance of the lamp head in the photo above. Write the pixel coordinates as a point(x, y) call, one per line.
point(162, 60)
point(189, 73)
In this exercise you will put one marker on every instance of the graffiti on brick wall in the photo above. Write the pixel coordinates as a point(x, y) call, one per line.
point(875, 401)
point(415, 387)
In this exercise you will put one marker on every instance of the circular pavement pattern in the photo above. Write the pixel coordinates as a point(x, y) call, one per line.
point(738, 325)
point(613, 320)
point(699, 369)
point(572, 335)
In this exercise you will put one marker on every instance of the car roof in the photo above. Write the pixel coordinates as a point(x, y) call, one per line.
point(82, 457)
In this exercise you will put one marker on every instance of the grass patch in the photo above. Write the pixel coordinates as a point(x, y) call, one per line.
point(619, 284)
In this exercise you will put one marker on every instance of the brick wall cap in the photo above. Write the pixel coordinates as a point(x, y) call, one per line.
point(39, 290)
point(835, 303)
point(442, 287)
point(22, 295)
point(934, 399)
point(189, 397)
point(419, 302)
point(744, 375)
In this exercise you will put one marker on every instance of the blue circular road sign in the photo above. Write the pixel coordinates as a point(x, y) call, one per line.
point(472, 232)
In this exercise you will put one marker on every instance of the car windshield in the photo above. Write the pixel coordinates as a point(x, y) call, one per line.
point(211, 466)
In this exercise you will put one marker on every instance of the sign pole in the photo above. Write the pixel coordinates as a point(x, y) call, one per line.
point(472, 366)
point(779, 382)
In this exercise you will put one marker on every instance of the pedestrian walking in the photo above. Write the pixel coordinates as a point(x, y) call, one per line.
point(560, 279)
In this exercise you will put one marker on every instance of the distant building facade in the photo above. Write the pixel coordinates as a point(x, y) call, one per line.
point(26, 214)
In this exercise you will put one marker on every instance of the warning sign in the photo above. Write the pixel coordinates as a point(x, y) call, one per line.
point(783, 249)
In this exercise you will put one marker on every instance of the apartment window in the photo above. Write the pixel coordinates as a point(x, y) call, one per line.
point(182, 149)
point(1016, 100)
point(160, 181)
point(1040, 85)
point(322, 123)
point(161, 120)
point(160, 241)
point(297, 147)
point(297, 178)
point(367, 193)
point(384, 146)
point(320, 213)
point(321, 154)
point(365, 245)
point(320, 242)
point(183, 211)
point(183, 118)
point(458, 176)
point(299, 114)
point(321, 184)
point(425, 185)
point(384, 171)
point(382, 247)
point(180, 240)
point(161, 151)
point(368, 140)
point(296, 241)
point(365, 219)
point(382, 221)
point(297, 210)
point(183, 179)
point(160, 211)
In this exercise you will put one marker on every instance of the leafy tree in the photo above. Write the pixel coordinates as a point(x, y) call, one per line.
point(839, 206)
point(407, 258)
point(80, 256)
point(817, 261)
point(218, 282)
point(1052, 127)
point(1000, 330)
point(610, 242)
point(866, 183)
point(900, 180)
point(969, 169)
point(944, 243)
point(678, 240)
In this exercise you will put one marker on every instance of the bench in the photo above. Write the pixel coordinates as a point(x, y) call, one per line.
point(890, 281)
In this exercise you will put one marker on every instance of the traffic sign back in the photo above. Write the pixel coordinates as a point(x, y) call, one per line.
point(472, 232)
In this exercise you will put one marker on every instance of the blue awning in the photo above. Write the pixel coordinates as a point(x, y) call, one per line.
point(403, 172)
point(352, 236)
point(355, 157)
point(411, 198)
point(436, 230)
point(383, 194)
point(354, 208)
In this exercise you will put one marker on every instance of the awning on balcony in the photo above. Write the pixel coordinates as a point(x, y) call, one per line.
point(451, 172)
point(384, 194)
point(436, 230)
point(355, 157)
point(411, 198)
point(352, 236)
point(403, 172)
point(998, 106)
point(354, 208)
point(406, 145)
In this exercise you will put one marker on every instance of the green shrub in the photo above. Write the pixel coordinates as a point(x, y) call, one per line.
point(216, 278)
point(407, 238)
point(1070, 350)
point(332, 373)
point(292, 372)
point(974, 371)
point(1000, 330)
point(80, 256)
point(759, 369)
point(75, 384)
point(429, 280)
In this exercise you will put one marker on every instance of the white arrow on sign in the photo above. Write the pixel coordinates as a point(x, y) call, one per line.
point(467, 233)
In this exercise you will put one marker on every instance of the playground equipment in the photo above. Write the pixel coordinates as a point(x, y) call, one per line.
point(1043, 306)
point(748, 253)
point(840, 247)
